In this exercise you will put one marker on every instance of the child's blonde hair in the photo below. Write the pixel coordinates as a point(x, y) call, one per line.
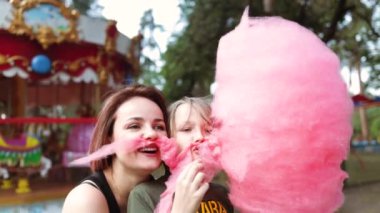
point(201, 105)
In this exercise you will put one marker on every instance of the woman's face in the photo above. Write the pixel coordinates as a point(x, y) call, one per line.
point(189, 127)
point(139, 118)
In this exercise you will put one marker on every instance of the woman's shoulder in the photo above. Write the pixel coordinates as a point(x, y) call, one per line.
point(85, 198)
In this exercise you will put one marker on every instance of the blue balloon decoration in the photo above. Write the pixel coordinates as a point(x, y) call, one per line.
point(41, 64)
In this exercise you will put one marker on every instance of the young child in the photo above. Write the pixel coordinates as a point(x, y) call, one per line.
point(189, 121)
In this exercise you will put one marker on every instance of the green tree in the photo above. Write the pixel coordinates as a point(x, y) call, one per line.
point(350, 27)
point(149, 69)
point(189, 61)
point(85, 7)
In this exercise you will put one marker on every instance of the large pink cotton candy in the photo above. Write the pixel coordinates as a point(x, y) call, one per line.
point(285, 118)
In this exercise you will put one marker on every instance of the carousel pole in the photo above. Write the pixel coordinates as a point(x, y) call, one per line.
point(102, 79)
point(18, 99)
point(97, 97)
point(82, 93)
point(18, 103)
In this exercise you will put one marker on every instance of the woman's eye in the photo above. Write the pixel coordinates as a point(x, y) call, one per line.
point(160, 128)
point(133, 126)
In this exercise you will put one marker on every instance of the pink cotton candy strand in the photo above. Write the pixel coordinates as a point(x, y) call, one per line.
point(169, 153)
point(103, 152)
point(285, 117)
point(107, 150)
point(209, 156)
point(117, 146)
point(177, 163)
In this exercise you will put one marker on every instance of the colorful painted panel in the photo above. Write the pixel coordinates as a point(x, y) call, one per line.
point(46, 15)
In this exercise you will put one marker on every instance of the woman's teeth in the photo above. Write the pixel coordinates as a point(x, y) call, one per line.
point(150, 150)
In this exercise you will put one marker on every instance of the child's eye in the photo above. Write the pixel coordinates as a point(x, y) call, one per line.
point(208, 129)
point(185, 129)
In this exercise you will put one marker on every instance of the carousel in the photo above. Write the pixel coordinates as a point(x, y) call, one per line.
point(55, 67)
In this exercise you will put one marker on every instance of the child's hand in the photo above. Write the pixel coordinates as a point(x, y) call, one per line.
point(190, 189)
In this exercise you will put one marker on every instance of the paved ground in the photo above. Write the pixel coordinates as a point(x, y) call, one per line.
point(363, 198)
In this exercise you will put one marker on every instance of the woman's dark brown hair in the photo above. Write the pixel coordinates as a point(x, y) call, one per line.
point(106, 118)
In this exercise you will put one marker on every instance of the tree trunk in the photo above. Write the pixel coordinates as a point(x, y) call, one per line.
point(362, 110)
point(268, 6)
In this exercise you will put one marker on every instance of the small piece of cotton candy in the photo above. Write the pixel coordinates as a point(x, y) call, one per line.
point(208, 155)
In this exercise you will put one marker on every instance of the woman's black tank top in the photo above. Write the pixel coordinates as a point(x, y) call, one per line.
point(101, 183)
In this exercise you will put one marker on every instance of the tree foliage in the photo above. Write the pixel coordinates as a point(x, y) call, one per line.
point(85, 7)
point(190, 60)
point(349, 27)
point(149, 69)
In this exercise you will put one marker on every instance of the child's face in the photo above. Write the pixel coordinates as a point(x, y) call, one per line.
point(189, 127)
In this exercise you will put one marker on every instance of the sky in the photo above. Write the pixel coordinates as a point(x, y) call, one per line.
point(128, 13)
point(353, 83)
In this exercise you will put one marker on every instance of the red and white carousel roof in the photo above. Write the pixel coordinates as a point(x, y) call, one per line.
point(44, 40)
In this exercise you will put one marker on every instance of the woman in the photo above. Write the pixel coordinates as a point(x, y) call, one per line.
point(189, 123)
point(135, 112)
